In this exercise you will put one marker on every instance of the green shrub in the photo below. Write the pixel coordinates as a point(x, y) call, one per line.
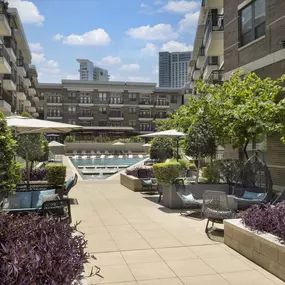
point(185, 164)
point(69, 139)
point(166, 172)
point(9, 168)
point(56, 174)
point(161, 148)
point(211, 173)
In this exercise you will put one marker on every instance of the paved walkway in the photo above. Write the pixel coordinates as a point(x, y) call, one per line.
point(138, 242)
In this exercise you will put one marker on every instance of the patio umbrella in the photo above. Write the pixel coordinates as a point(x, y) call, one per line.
point(169, 133)
point(55, 143)
point(23, 125)
point(56, 147)
point(118, 143)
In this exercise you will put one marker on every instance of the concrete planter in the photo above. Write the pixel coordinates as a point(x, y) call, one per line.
point(170, 198)
point(199, 189)
point(131, 182)
point(263, 249)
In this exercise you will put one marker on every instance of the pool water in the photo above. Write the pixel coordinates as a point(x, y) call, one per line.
point(103, 162)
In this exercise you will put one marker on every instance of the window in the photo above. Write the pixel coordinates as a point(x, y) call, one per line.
point(103, 110)
point(132, 124)
point(102, 123)
point(102, 96)
point(71, 110)
point(133, 97)
point(72, 122)
point(252, 22)
point(132, 110)
point(173, 99)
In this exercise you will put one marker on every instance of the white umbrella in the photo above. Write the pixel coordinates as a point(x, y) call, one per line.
point(169, 133)
point(55, 143)
point(147, 145)
point(23, 125)
point(118, 143)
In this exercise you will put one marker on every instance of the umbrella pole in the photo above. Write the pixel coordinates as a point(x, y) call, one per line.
point(177, 146)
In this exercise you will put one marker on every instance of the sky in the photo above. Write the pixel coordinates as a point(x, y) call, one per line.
point(123, 36)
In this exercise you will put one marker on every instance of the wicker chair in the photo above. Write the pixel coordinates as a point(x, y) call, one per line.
point(215, 208)
point(254, 183)
point(187, 198)
point(279, 199)
point(148, 183)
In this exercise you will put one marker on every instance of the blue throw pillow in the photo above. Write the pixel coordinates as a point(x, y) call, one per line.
point(69, 182)
point(25, 199)
point(37, 203)
point(189, 197)
point(253, 196)
point(147, 181)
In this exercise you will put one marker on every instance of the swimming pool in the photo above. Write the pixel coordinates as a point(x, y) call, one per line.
point(103, 165)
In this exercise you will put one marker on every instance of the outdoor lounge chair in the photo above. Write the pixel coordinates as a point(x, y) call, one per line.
point(279, 199)
point(69, 184)
point(140, 156)
point(102, 156)
point(98, 152)
point(107, 152)
point(120, 156)
point(188, 199)
point(148, 183)
point(215, 208)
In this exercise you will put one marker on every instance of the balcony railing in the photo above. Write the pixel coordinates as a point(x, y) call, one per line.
point(21, 63)
point(21, 88)
point(85, 101)
point(147, 116)
point(211, 60)
point(162, 103)
point(201, 51)
point(214, 23)
point(145, 102)
point(54, 101)
point(116, 115)
point(85, 114)
point(9, 42)
point(115, 101)
point(161, 116)
point(146, 129)
point(216, 77)
point(4, 53)
point(12, 76)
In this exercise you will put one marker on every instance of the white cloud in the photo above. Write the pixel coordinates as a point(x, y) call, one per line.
point(58, 37)
point(155, 69)
point(139, 79)
point(51, 63)
point(28, 11)
point(38, 57)
point(158, 2)
point(36, 47)
point(162, 32)
point(181, 7)
point(49, 70)
point(189, 23)
point(143, 5)
point(72, 76)
point(173, 46)
point(130, 67)
point(93, 38)
point(110, 60)
point(149, 50)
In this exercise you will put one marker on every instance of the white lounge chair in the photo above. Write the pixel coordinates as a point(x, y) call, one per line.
point(120, 156)
point(102, 156)
point(75, 157)
point(107, 152)
point(84, 157)
point(75, 152)
point(111, 156)
point(98, 152)
point(93, 156)
point(130, 156)
point(140, 156)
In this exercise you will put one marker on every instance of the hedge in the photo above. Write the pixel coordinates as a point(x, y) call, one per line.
point(166, 172)
point(56, 174)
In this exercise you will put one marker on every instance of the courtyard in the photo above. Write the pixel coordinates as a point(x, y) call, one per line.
point(135, 240)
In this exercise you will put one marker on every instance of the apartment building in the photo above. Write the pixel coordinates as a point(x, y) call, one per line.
point(173, 69)
point(207, 60)
point(18, 79)
point(108, 104)
point(255, 42)
point(88, 71)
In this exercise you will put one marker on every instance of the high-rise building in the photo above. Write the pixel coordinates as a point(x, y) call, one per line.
point(18, 78)
point(173, 68)
point(89, 72)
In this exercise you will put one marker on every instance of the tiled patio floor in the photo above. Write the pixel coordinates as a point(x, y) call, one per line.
point(138, 242)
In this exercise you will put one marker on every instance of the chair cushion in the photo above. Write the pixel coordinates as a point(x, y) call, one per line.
point(146, 181)
point(50, 198)
point(253, 196)
point(11, 203)
point(38, 197)
point(218, 214)
point(188, 197)
point(69, 182)
point(25, 199)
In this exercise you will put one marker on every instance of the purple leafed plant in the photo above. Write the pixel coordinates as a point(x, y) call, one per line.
point(39, 250)
point(38, 174)
point(264, 218)
point(134, 171)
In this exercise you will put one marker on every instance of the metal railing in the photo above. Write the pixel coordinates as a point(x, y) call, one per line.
point(201, 51)
point(4, 53)
point(160, 102)
point(9, 42)
point(85, 101)
point(145, 102)
point(116, 115)
point(215, 22)
point(147, 116)
point(83, 114)
point(12, 76)
point(21, 88)
point(211, 60)
point(161, 116)
point(115, 101)
point(146, 129)
point(216, 77)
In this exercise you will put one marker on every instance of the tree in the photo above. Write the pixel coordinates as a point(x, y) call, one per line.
point(9, 168)
point(244, 108)
point(32, 147)
point(161, 148)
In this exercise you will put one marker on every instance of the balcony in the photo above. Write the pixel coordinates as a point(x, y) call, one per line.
point(145, 117)
point(32, 91)
point(54, 103)
point(21, 67)
point(201, 57)
point(216, 77)
point(11, 46)
point(146, 103)
point(27, 82)
point(5, 66)
point(161, 116)
point(85, 116)
point(116, 117)
point(214, 35)
point(27, 104)
point(52, 118)
point(118, 102)
point(213, 4)
point(5, 107)
point(196, 74)
point(146, 130)
point(85, 102)
point(5, 29)
point(211, 64)
point(161, 103)
point(21, 92)
point(9, 82)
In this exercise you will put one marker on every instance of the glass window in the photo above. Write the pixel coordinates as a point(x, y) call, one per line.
point(132, 97)
point(103, 110)
point(132, 110)
point(252, 22)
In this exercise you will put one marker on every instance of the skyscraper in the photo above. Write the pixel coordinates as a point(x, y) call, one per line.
point(89, 72)
point(173, 68)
